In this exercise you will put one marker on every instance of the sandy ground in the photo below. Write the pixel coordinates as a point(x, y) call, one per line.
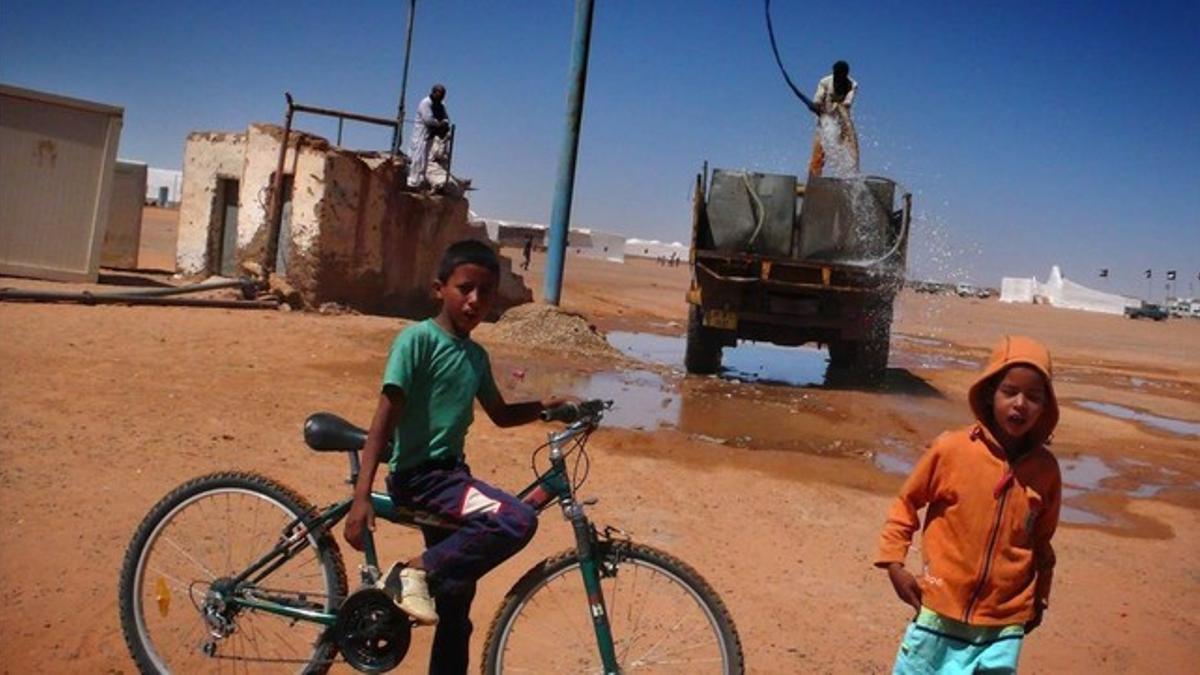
point(775, 492)
point(156, 250)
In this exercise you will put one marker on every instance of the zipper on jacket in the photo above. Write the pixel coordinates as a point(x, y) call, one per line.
point(987, 561)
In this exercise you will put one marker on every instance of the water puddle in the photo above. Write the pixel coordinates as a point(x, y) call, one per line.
point(897, 457)
point(643, 400)
point(1085, 472)
point(1078, 516)
point(918, 340)
point(743, 408)
point(1170, 425)
point(931, 361)
point(1083, 475)
point(905, 356)
point(747, 362)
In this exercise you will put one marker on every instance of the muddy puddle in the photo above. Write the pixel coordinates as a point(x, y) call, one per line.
point(748, 362)
point(772, 398)
point(1084, 477)
point(1169, 425)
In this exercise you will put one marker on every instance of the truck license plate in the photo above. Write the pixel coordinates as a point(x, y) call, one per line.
point(717, 318)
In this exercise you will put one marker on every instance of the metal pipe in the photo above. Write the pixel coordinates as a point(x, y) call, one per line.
point(275, 209)
point(333, 112)
point(244, 283)
point(340, 120)
point(396, 140)
point(89, 298)
point(449, 154)
point(560, 215)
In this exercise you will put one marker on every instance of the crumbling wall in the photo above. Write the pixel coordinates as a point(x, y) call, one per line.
point(354, 234)
point(207, 156)
point(305, 163)
point(379, 244)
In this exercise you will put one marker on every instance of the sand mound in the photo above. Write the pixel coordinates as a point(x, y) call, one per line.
point(536, 324)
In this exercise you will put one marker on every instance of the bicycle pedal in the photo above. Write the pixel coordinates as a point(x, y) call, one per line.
point(390, 583)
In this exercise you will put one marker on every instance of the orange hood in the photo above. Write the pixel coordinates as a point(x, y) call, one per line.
point(1012, 350)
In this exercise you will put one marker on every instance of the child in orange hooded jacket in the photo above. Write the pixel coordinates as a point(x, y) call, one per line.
point(993, 493)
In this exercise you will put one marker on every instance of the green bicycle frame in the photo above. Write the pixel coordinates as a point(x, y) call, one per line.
point(550, 486)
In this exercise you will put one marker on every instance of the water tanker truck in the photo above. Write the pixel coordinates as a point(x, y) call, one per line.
point(774, 260)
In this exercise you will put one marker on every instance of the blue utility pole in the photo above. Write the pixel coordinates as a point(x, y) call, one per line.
point(560, 215)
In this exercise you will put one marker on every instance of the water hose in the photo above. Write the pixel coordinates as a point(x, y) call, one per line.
point(756, 206)
point(796, 90)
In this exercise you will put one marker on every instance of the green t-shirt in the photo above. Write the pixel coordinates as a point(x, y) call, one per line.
point(441, 375)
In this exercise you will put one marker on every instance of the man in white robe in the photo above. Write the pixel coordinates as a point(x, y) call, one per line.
point(431, 122)
point(835, 138)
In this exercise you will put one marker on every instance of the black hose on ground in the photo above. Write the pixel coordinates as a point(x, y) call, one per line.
point(795, 90)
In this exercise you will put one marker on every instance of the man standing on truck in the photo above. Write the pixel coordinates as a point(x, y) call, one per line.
point(431, 122)
point(835, 136)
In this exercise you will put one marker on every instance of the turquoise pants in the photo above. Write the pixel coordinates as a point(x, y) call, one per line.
point(934, 644)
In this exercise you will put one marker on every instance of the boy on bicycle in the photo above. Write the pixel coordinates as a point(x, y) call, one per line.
point(434, 372)
point(992, 493)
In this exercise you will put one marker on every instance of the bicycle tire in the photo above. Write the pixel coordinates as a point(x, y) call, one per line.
point(623, 556)
point(194, 499)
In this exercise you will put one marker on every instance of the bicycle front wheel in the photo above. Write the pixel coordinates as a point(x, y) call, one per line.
point(664, 618)
point(176, 581)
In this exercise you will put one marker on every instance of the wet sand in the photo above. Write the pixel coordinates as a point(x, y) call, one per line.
point(768, 481)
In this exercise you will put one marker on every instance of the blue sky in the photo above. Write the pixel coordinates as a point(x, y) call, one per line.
point(1030, 133)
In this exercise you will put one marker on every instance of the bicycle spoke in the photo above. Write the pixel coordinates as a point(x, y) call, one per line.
point(190, 558)
point(233, 528)
point(658, 622)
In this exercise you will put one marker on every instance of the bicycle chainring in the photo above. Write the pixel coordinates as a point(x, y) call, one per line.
point(371, 632)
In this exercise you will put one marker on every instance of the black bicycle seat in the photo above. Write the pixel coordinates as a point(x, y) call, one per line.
point(326, 431)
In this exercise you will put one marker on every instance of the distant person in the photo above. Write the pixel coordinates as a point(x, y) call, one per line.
point(431, 122)
point(835, 138)
point(993, 493)
point(526, 252)
point(433, 375)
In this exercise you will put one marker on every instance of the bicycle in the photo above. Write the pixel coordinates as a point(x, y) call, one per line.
point(266, 585)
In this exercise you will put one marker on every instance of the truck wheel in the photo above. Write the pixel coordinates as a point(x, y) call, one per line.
point(703, 353)
point(863, 361)
point(871, 361)
point(841, 353)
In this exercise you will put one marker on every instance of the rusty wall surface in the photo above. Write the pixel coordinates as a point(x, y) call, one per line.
point(305, 162)
point(207, 156)
point(379, 244)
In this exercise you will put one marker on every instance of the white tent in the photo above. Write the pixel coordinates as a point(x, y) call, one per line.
point(1015, 289)
point(653, 248)
point(1061, 292)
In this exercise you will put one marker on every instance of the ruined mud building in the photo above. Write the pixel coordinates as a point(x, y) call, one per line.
point(352, 232)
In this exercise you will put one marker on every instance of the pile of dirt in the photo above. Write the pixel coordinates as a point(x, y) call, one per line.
point(536, 324)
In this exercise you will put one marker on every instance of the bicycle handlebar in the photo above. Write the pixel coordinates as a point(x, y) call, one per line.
point(572, 412)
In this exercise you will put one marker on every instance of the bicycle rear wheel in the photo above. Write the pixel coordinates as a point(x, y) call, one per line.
point(193, 542)
point(664, 617)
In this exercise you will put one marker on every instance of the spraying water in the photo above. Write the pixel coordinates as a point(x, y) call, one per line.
point(838, 138)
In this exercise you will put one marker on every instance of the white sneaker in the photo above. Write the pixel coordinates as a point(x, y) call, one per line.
point(410, 593)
